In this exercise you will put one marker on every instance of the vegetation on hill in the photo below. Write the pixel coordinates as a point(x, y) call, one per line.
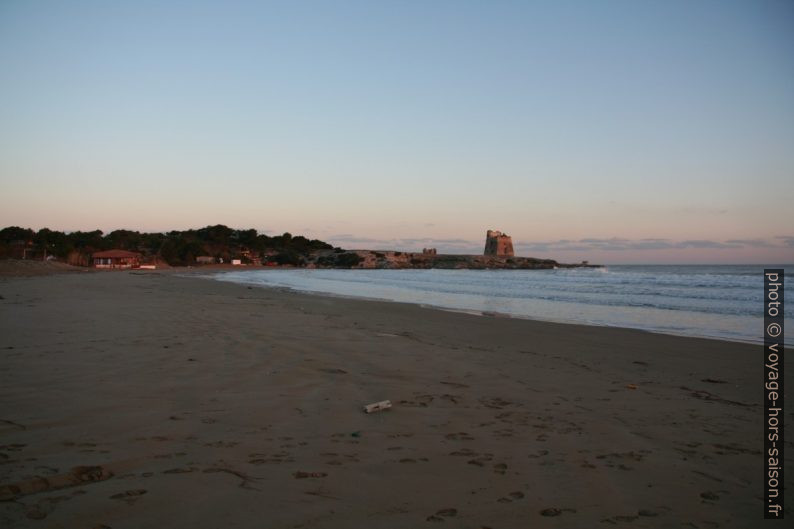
point(219, 243)
point(174, 247)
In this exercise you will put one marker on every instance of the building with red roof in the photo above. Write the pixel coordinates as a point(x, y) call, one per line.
point(116, 259)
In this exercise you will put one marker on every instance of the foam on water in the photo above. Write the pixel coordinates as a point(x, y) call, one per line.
point(708, 301)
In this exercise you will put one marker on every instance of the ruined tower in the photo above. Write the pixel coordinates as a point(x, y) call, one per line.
point(497, 244)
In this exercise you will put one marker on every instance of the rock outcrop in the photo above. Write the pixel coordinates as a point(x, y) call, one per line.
point(395, 260)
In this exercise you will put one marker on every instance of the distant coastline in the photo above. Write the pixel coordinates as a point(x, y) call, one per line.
point(389, 259)
point(221, 245)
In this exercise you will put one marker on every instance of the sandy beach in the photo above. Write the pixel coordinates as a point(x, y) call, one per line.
point(154, 399)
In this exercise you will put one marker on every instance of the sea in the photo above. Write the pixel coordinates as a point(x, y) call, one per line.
point(724, 302)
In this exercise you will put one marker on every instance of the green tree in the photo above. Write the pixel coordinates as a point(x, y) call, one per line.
point(15, 233)
point(247, 237)
point(88, 240)
point(168, 252)
point(124, 240)
point(348, 260)
point(218, 233)
point(189, 251)
point(289, 257)
point(55, 243)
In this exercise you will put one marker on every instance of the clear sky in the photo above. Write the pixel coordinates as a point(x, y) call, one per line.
point(614, 131)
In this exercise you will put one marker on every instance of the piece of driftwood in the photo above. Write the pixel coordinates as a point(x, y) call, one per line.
point(377, 406)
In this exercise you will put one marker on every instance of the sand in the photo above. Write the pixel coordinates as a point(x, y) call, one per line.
point(148, 399)
point(30, 268)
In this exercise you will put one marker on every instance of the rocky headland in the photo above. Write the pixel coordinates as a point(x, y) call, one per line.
point(372, 259)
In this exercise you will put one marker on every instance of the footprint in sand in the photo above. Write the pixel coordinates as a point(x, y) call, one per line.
point(46, 506)
point(465, 452)
point(304, 475)
point(246, 480)
point(441, 514)
point(495, 403)
point(222, 444)
point(616, 457)
point(620, 518)
point(554, 511)
point(183, 470)
point(269, 461)
point(454, 384)
point(507, 432)
point(130, 496)
point(459, 436)
point(421, 401)
point(170, 456)
point(733, 449)
point(480, 461)
point(12, 447)
point(35, 512)
point(412, 460)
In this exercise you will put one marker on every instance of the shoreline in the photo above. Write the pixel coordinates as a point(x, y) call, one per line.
point(473, 312)
point(187, 394)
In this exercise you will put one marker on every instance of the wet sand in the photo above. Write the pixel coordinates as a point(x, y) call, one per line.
point(147, 399)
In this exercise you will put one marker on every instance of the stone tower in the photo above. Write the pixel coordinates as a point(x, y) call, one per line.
point(497, 244)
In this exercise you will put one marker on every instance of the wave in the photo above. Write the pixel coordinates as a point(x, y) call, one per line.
point(695, 300)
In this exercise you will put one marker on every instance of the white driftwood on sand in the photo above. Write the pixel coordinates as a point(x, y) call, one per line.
point(377, 406)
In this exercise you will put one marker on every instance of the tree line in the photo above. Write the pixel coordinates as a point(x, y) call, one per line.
point(177, 248)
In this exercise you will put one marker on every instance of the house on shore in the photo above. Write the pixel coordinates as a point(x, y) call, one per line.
point(116, 259)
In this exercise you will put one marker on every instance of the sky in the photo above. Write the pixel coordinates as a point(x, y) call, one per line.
point(612, 131)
